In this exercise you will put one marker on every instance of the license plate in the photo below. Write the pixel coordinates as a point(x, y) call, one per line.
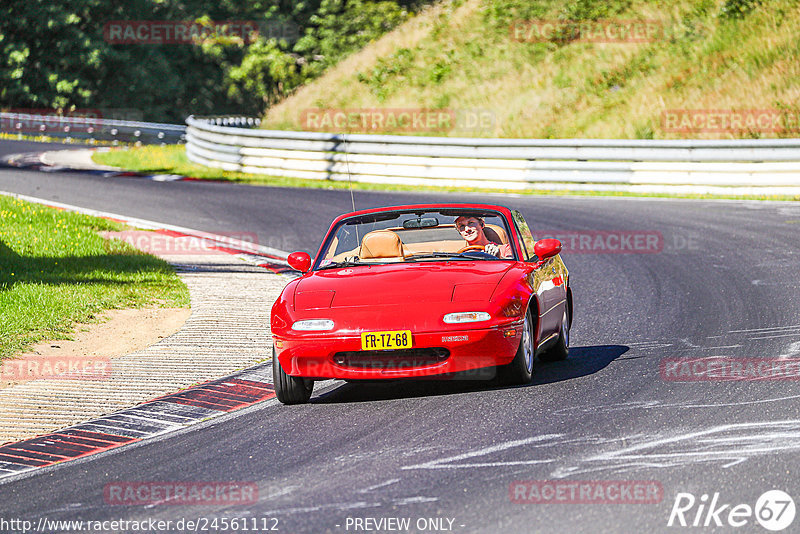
point(395, 339)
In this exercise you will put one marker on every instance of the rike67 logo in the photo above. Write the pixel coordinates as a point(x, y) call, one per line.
point(774, 510)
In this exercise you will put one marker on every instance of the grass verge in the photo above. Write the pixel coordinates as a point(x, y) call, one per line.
point(171, 159)
point(55, 271)
point(52, 139)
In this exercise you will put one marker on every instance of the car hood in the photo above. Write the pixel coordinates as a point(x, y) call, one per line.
point(401, 284)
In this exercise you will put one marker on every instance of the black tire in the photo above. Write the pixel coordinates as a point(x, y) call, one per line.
point(560, 350)
point(290, 389)
point(520, 370)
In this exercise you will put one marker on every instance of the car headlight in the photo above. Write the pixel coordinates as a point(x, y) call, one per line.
point(313, 324)
point(466, 317)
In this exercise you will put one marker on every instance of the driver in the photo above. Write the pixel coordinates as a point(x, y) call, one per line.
point(471, 229)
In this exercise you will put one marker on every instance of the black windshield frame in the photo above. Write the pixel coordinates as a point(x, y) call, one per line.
point(446, 215)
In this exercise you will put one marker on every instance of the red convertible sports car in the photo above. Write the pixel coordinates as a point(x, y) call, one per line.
point(421, 291)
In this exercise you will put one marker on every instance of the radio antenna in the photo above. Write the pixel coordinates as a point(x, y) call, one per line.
point(349, 178)
point(350, 181)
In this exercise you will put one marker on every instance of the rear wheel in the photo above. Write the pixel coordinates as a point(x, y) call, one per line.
point(520, 370)
point(290, 389)
point(560, 350)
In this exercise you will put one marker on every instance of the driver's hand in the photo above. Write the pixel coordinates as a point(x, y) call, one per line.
point(492, 249)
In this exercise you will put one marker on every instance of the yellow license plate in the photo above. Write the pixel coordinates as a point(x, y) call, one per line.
point(395, 339)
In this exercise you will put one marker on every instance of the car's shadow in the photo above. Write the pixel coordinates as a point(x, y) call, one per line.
point(582, 361)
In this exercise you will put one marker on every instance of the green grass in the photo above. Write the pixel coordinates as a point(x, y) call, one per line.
point(56, 271)
point(52, 139)
point(171, 159)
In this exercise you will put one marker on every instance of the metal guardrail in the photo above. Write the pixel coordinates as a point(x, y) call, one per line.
point(505, 163)
point(91, 128)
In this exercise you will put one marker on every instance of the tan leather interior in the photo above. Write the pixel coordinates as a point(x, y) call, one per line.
point(435, 246)
point(495, 233)
point(332, 248)
point(381, 244)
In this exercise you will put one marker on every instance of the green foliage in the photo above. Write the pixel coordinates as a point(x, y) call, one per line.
point(593, 9)
point(343, 26)
point(54, 55)
point(440, 70)
point(265, 75)
point(271, 70)
point(499, 14)
point(639, 65)
point(645, 131)
point(391, 68)
point(738, 9)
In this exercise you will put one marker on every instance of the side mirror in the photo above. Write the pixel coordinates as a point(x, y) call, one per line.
point(301, 261)
point(547, 248)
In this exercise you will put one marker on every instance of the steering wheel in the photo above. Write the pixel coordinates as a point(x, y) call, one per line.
point(471, 247)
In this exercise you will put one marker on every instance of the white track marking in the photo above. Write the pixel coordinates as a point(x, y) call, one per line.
point(714, 444)
point(446, 463)
point(793, 350)
point(765, 329)
point(381, 485)
point(647, 405)
point(728, 444)
point(279, 255)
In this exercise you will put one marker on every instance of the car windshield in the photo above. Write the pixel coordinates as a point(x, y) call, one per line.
point(417, 236)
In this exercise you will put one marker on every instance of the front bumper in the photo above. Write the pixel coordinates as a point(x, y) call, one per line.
point(321, 355)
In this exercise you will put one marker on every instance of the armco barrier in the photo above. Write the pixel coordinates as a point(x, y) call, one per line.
point(234, 144)
point(91, 127)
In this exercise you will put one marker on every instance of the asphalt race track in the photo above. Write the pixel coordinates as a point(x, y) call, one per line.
point(722, 281)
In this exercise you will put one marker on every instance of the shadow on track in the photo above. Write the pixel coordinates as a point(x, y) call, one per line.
point(582, 361)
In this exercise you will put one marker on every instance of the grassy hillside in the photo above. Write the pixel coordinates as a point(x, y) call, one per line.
point(463, 56)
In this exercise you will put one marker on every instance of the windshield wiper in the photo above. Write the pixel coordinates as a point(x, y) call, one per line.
point(459, 255)
point(337, 264)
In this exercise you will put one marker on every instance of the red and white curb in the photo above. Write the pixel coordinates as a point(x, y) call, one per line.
point(159, 416)
point(260, 255)
point(164, 414)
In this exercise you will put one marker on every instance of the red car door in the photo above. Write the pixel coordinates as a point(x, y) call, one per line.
point(548, 282)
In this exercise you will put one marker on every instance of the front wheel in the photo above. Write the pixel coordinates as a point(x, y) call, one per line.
point(289, 389)
point(520, 370)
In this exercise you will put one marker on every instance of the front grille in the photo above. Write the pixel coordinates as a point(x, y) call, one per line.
point(392, 359)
